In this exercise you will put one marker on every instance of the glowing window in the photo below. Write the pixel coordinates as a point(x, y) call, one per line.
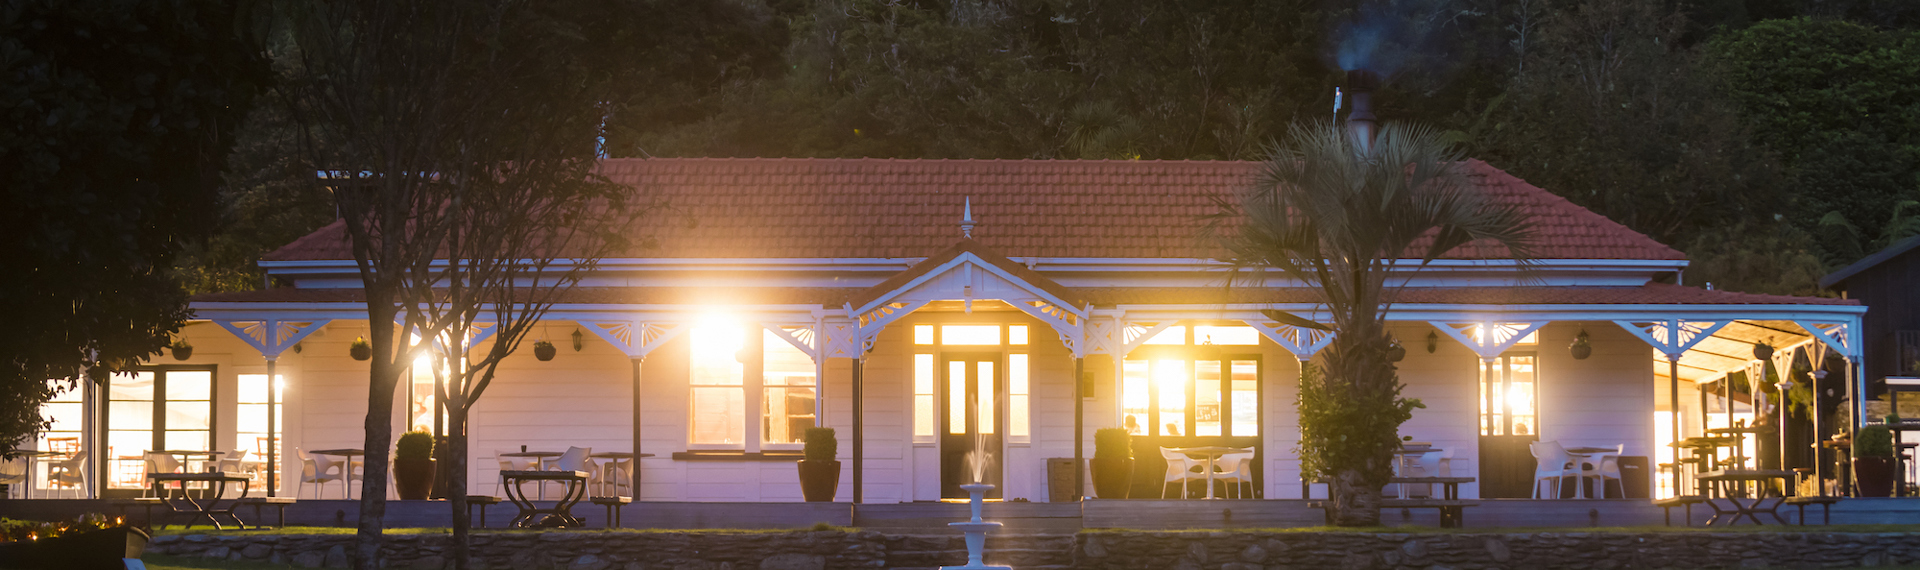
point(1017, 418)
point(956, 397)
point(1172, 335)
point(250, 427)
point(923, 380)
point(970, 334)
point(985, 394)
point(1017, 335)
point(1217, 335)
point(923, 334)
point(719, 411)
point(787, 390)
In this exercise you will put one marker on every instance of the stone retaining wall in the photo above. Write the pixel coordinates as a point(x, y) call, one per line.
point(1101, 550)
point(1571, 550)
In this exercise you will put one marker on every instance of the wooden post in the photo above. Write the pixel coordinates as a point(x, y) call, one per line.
point(635, 482)
point(273, 435)
point(859, 409)
point(1079, 428)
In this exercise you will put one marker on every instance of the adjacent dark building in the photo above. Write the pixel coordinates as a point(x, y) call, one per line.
point(1889, 283)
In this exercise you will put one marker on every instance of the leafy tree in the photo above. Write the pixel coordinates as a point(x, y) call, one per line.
point(1336, 211)
point(117, 116)
point(457, 139)
point(1840, 101)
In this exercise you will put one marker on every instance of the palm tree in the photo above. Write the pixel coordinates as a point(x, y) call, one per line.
point(1341, 211)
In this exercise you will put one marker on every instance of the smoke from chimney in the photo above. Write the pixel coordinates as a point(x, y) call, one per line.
point(1359, 91)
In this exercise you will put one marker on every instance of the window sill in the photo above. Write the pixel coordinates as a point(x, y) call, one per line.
point(737, 456)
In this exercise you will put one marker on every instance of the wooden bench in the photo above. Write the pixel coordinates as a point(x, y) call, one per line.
point(1685, 501)
point(1826, 507)
point(613, 505)
point(279, 505)
point(146, 505)
point(482, 502)
point(1451, 515)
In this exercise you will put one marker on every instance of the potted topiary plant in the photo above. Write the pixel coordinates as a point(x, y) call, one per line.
point(1112, 463)
point(360, 349)
point(1581, 348)
point(819, 471)
point(1873, 461)
point(413, 465)
point(182, 349)
point(543, 350)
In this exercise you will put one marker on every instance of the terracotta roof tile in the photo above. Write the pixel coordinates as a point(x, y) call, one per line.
point(862, 208)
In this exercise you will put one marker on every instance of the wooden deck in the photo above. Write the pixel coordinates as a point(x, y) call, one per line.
point(1044, 518)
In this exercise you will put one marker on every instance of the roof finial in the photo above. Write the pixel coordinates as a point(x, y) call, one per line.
point(966, 221)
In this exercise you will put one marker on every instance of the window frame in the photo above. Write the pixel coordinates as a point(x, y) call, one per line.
point(936, 347)
point(753, 391)
point(157, 423)
point(1506, 382)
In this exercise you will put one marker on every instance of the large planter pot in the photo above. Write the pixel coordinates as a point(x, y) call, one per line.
point(1873, 476)
point(98, 550)
point(819, 480)
point(413, 478)
point(1112, 478)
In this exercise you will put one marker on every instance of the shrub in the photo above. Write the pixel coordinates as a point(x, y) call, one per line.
point(1873, 441)
point(414, 445)
point(821, 445)
point(1112, 443)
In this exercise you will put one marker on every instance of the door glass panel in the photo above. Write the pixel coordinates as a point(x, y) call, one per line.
point(189, 416)
point(187, 440)
point(133, 415)
point(1246, 398)
point(1135, 397)
point(957, 397)
point(139, 386)
point(1520, 395)
point(986, 394)
point(1206, 398)
point(1171, 376)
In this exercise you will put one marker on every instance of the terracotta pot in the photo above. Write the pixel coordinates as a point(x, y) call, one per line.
point(413, 478)
point(819, 480)
point(1873, 476)
point(1112, 477)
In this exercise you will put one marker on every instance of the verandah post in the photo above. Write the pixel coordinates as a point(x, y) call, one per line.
point(1079, 428)
point(859, 421)
point(634, 481)
point(273, 434)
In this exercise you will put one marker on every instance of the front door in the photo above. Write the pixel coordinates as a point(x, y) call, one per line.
point(1509, 424)
point(971, 415)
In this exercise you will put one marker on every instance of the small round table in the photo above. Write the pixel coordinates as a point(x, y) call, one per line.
point(1209, 454)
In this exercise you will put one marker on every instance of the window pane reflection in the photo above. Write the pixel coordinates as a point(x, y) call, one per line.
point(1206, 398)
point(1171, 377)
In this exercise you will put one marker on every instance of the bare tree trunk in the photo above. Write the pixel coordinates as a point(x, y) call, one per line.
point(1354, 502)
point(382, 380)
point(460, 549)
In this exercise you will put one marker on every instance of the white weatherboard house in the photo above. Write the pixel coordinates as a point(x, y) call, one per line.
point(858, 295)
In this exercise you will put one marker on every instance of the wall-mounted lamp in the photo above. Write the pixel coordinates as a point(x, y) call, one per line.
point(1433, 341)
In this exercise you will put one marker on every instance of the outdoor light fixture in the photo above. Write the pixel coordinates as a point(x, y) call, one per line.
point(1433, 341)
point(577, 340)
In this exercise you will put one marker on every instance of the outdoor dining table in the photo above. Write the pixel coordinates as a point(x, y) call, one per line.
point(1706, 447)
point(576, 482)
point(186, 504)
point(34, 457)
point(347, 471)
point(1209, 454)
point(1738, 434)
point(1401, 463)
point(1580, 454)
point(1758, 502)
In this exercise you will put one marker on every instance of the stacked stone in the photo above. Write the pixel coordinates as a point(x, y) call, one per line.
point(1233, 550)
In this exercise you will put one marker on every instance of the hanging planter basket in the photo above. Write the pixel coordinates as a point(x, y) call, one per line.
point(182, 349)
point(360, 350)
point(1762, 351)
point(544, 350)
point(1581, 348)
point(1395, 352)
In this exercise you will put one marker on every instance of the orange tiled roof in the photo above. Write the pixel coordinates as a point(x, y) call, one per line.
point(886, 208)
point(1648, 294)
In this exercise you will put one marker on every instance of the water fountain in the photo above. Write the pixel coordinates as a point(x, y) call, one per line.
point(976, 529)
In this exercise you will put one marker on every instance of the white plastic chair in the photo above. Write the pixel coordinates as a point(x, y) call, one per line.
point(1429, 464)
point(318, 470)
point(509, 464)
point(575, 459)
point(1552, 462)
point(1603, 467)
point(1180, 470)
point(13, 473)
point(1236, 469)
point(617, 474)
point(70, 474)
point(161, 463)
